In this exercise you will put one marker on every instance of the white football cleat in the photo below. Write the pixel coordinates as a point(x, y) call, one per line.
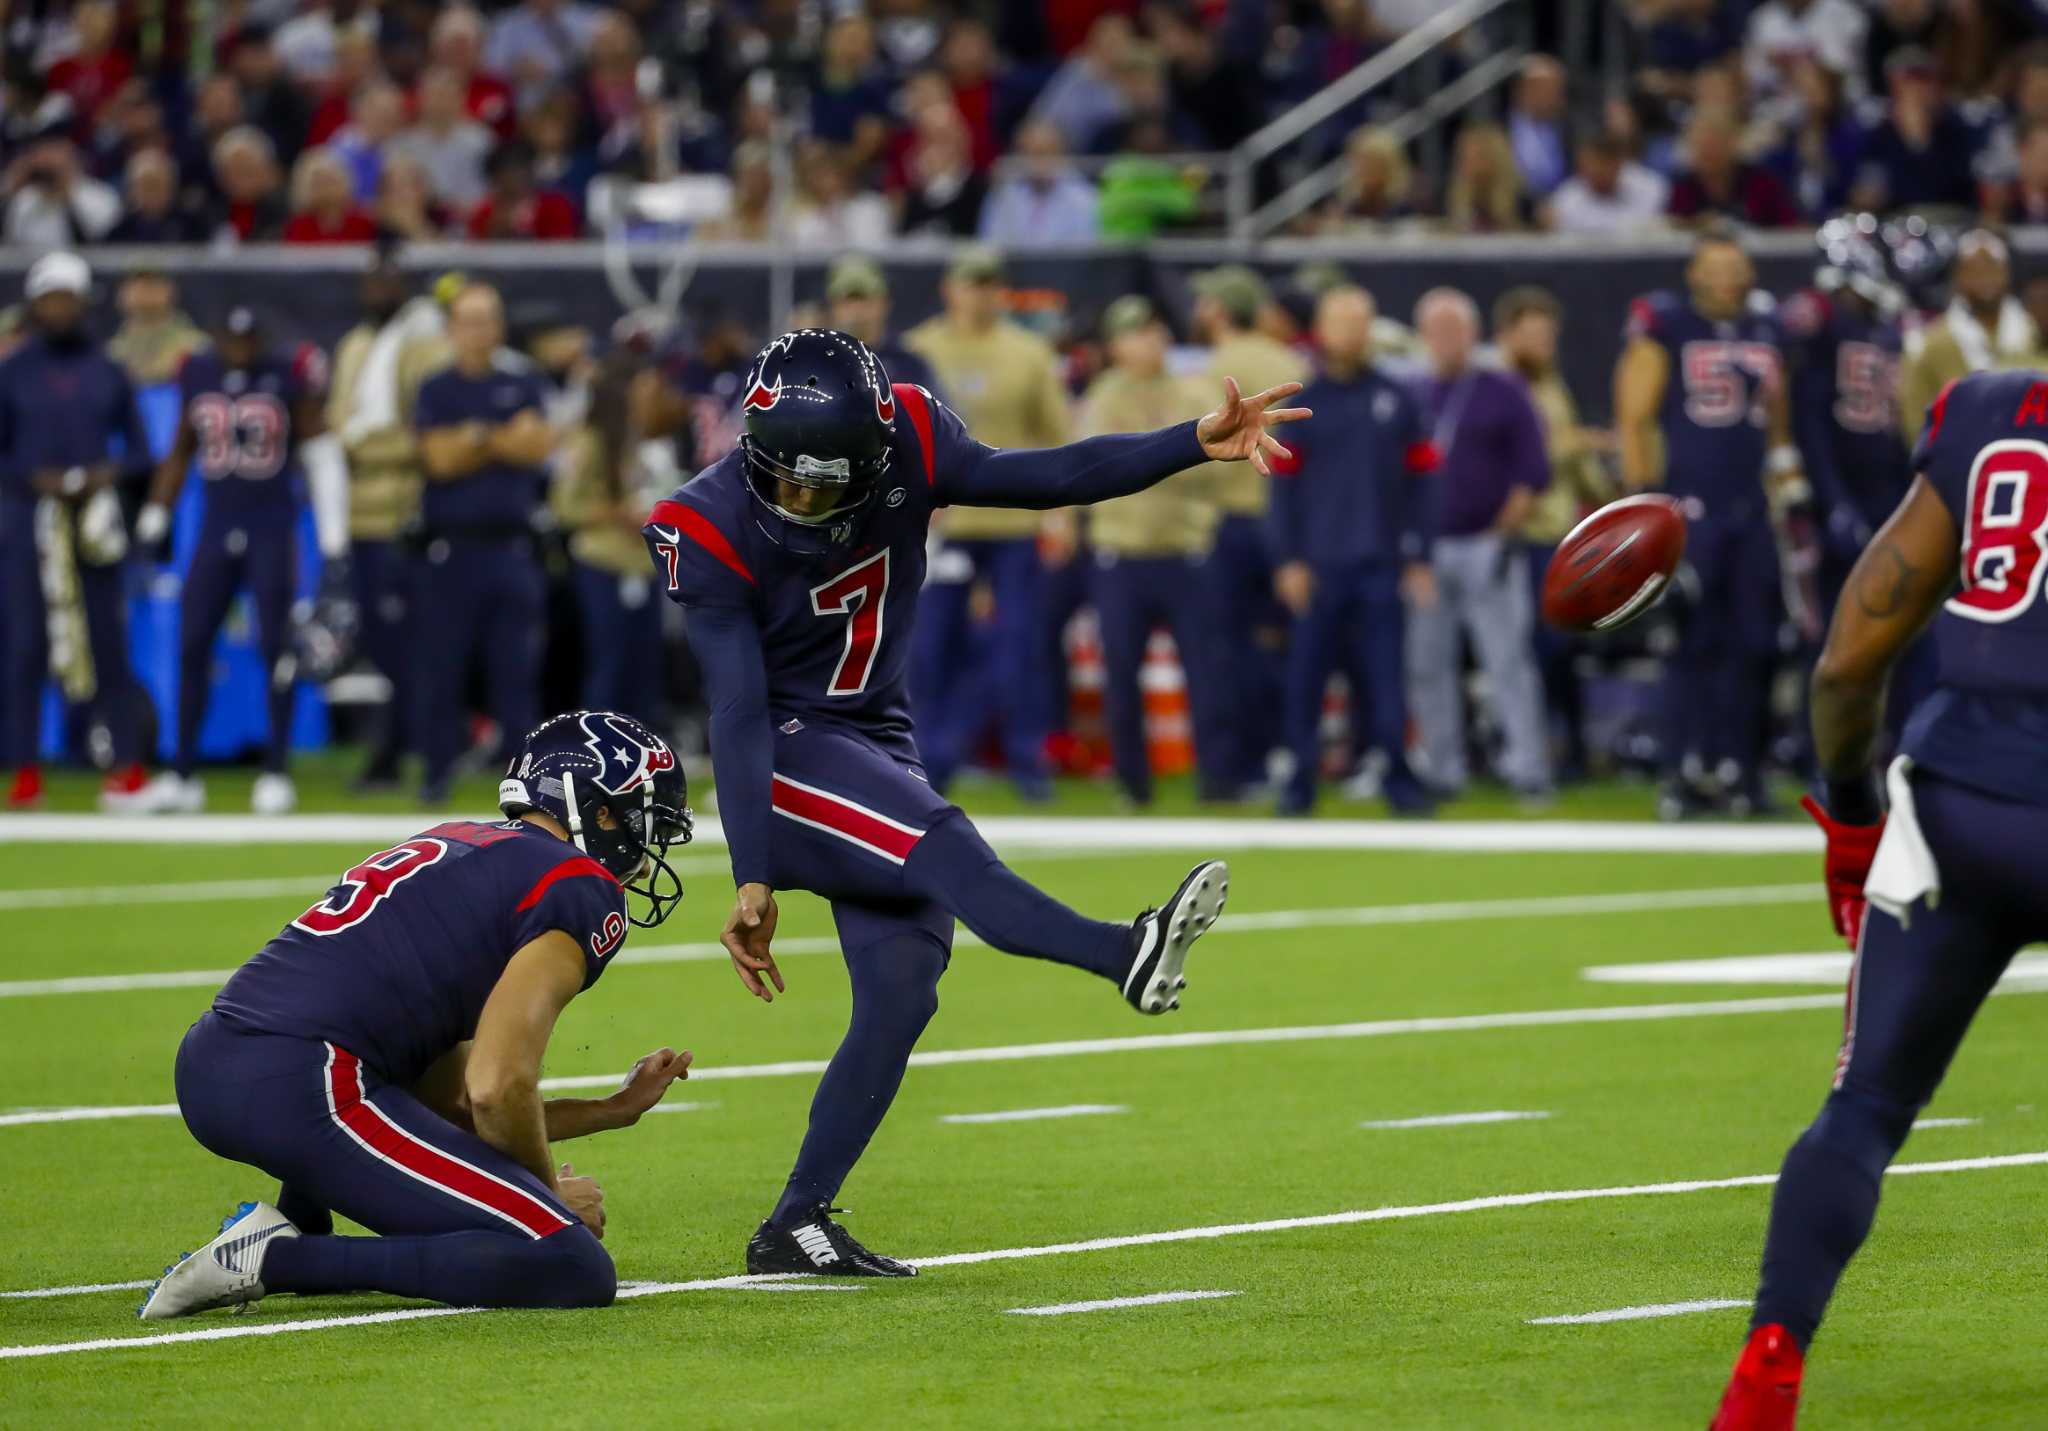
point(274, 794)
point(224, 1273)
point(1162, 937)
point(169, 793)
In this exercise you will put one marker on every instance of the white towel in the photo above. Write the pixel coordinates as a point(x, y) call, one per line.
point(375, 405)
point(1903, 869)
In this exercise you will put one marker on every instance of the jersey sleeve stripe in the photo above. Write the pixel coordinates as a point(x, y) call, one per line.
point(836, 815)
point(910, 397)
point(370, 1129)
point(697, 527)
point(1939, 410)
point(582, 867)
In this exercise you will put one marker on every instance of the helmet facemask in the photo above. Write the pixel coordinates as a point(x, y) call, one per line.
point(635, 849)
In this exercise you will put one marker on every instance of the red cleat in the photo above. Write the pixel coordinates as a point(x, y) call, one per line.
point(28, 788)
point(1763, 1394)
point(121, 791)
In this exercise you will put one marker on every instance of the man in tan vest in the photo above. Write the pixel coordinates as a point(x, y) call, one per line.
point(378, 368)
point(1150, 557)
point(1984, 326)
point(1228, 304)
point(1006, 385)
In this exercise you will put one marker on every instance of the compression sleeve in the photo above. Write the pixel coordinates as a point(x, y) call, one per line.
point(727, 645)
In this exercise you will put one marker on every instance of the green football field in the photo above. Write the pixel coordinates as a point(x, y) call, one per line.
point(1290, 1143)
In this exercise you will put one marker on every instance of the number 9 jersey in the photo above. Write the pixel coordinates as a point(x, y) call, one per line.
point(1984, 449)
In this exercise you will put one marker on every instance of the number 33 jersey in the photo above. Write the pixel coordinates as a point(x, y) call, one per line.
point(1984, 449)
point(834, 629)
point(395, 964)
point(1715, 416)
point(244, 446)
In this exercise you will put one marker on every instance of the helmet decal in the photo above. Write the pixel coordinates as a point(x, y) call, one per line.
point(885, 404)
point(761, 397)
point(625, 759)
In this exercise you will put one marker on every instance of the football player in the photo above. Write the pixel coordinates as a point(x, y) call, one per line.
point(1703, 372)
point(1937, 895)
point(250, 418)
point(799, 559)
point(381, 1056)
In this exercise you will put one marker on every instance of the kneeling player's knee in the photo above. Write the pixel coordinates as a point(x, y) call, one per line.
point(581, 1273)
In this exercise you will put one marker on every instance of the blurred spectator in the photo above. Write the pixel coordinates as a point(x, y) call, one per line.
point(1608, 193)
point(1717, 184)
point(1977, 45)
point(357, 66)
point(971, 65)
point(1216, 92)
point(154, 212)
point(378, 118)
point(1782, 31)
point(850, 99)
point(1685, 37)
point(216, 109)
point(609, 88)
point(324, 206)
point(447, 142)
point(1484, 195)
point(98, 67)
point(857, 298)
point(1983, 327)
point(131, 122)
point(1898, 25)
point(309, 45)
point(1349, 537)
point(30, 110)
point(514, 208)
point(1526, 323)
point(946, 191)
point(1378, 185)
point(456, 46)
point(1923, 152)
point(829, 212)
point(251, 208)
point(535, 44)
point(558, 161)
point(51, 203)
point(155, 336)
point(1139, 195)
point(1041, 199)
point(1085, 97)
point(406, 208)
point(271, 100)
point(2028, 201)
point(755, 216)
point(1536, 125)
point(1818, 159)
point(908, 32)
point(1490, 443)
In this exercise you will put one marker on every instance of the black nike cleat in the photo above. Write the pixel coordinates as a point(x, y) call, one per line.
point(818, 1245)
point(1161, 938)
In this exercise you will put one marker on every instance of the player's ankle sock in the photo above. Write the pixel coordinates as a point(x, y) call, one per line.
point(465, 1269)
point(1825, 1202)
point(955, 866)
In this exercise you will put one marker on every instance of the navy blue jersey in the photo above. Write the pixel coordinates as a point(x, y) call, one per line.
point(65, 406)
point(1845, 377)
point(498, 497)
point(1984, 449)
point(243, 441)
point(396, 962)
point(1716, 411)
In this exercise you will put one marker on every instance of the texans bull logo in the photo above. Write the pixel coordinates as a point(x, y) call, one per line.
point(761, 397)
point(624, 753)
point(885, 404)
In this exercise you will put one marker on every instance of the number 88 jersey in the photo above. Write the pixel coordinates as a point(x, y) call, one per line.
point(243, 444)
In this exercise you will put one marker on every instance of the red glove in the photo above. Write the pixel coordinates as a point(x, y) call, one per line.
point(1847, 864)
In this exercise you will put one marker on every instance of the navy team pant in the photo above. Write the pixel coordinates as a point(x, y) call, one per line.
point(382, 575)
point(479, 599)
point(254, 552)
point(24, 630)
point(857, 822)
point(458, 1221)
point(971, 677)
point(1132, 595)
point(1716, 691)
point(1912, 992)
point(621, 642)
point(1253, 626)
point(1355, 623)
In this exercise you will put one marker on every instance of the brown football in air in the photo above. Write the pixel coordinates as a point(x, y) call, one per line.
point(1614, 565)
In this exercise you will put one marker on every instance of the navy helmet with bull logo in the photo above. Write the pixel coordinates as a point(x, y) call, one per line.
point(819, 414)
point(615, 786)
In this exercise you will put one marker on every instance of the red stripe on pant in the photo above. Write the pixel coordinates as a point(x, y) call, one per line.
point(384, 1137)
point(845, 817)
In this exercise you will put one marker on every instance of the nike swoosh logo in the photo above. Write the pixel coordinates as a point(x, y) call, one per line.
point(667, 534)
point(228, 1254)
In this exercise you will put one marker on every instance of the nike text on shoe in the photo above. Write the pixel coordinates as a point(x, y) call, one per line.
point(819, 1245)
point(1763, 1394)
point(223, 1273)
point(1162, 937)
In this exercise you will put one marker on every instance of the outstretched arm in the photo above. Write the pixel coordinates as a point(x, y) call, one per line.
point(1099, 468)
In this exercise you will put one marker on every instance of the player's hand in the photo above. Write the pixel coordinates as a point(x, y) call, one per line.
point(648, 1082)
point(1418, 585)
point(1295, 585)
point(1846, 866)
point(1238, 430)
point(747, 937)
point(584, 1198)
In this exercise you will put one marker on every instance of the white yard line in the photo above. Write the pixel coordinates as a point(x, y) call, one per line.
point(82, 1291)
point(1026, 1115)
point(1009, 832)
point(28, 1116)
point(1459, 1120)
point(1637, 1314)
point(1829, 967)
point(1265, 921)
point(1919, 1123)
point(1107, 1304)
point(1058, 1249)
point(807, 1285)
point(681, 1107)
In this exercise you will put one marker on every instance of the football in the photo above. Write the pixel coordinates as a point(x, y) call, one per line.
point(1614, 565)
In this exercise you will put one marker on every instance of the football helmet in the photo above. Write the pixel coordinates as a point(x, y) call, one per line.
point(573, 766)
point(819, 413)
point(1853, 257)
